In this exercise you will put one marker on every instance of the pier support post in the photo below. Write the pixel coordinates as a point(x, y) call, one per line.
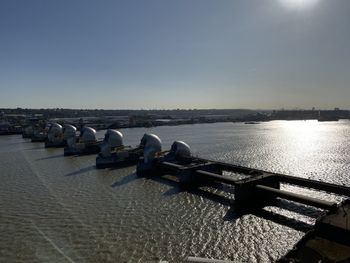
point(247, 194)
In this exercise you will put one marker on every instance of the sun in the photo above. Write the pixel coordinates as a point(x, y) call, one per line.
point(299, 4)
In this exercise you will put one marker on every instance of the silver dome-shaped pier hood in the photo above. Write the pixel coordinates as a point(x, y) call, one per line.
point(70, 135)
point(55, 136)
point(115, 153)
point(180, 152)
point(86, 143)
point(151, 145)
point(87, 135)
point(113, 139)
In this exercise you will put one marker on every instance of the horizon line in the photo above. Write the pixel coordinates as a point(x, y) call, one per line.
point(180, 109)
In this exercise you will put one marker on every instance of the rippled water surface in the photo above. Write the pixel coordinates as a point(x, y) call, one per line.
point(61, 209)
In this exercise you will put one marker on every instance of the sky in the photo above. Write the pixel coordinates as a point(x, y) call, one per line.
point(162, 54)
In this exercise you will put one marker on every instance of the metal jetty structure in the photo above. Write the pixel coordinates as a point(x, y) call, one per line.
point(256, 188)
point(259, 185)
point(251, 185)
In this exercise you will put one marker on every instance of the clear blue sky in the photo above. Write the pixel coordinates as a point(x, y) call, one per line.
point(175, 54)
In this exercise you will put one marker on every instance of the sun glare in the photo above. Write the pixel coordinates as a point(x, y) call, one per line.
point(299, 4)
point(303, 136)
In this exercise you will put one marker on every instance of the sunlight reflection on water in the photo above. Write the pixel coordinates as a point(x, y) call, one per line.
point(113, 216)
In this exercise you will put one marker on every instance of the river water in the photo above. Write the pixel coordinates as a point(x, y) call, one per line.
point(61, 209)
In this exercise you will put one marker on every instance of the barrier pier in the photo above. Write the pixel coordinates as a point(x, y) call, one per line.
point(252, 186)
